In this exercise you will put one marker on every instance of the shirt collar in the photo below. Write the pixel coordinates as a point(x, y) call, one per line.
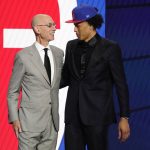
point(91, 42)
point(41, 47)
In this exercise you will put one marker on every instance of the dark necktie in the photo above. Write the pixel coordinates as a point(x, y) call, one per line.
point(47, 64)
point(84, 47)
point(83, 63)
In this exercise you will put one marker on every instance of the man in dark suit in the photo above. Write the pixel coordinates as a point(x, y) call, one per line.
point(92, 66)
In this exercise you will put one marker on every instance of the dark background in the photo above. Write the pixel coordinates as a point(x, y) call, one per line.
point(128, 23)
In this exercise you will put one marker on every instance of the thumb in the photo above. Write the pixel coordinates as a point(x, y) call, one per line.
point(19, 128)
point(119, 134)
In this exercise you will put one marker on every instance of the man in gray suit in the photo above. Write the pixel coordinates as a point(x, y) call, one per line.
point(37, 71)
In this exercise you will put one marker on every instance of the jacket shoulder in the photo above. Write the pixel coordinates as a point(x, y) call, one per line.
point(59, 52)
point(57, 49)
point(108, 42)
point(24, 51)
point(73, 42)
point(109, 45)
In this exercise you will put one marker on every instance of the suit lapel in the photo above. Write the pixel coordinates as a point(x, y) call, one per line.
point(36, 60)
point(98, 51)
point(76, 73)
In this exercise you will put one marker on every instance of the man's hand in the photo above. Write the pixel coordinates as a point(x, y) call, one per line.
point(123, 129)
point(17, 127)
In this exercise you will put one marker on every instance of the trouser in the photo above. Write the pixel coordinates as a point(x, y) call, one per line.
point(45, 140)
point(78, 137)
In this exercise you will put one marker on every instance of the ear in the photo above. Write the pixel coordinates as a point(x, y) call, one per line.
point(91, 27)
point(36, 29)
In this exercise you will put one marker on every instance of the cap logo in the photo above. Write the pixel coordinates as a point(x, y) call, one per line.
point(82, 13)
point(87, 16)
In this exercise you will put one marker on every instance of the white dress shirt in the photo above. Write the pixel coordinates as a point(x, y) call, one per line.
point(40, 49)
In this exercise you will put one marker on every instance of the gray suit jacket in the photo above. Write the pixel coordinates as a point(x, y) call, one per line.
point(39, 98)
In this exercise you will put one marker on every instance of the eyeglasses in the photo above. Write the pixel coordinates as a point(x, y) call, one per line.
point(48, 25)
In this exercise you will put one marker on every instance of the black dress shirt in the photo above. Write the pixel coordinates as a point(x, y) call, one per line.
point(83, 53)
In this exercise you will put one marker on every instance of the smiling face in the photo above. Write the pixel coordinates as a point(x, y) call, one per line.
point(84, 31)
point(44, 28)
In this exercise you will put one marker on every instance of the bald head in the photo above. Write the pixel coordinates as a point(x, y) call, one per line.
point(44, 28)
point(39, 19)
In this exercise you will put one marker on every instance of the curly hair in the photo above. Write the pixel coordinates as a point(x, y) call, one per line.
point(96, 21)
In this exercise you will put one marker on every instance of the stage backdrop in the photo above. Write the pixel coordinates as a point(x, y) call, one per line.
point(16, 33)
point(128, 23)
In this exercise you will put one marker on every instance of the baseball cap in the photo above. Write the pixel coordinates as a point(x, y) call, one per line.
point(82, 13)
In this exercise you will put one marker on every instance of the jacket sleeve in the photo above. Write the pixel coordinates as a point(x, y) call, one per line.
point(118, 75)
point(14, 88)
point(65, 76)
